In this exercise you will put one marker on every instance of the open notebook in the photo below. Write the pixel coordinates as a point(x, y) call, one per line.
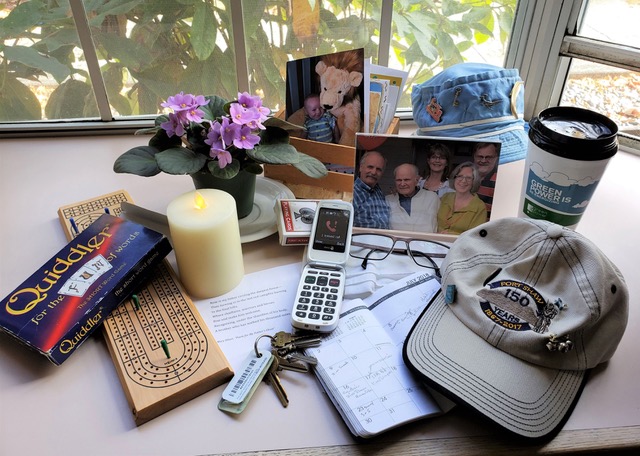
point(360, 364)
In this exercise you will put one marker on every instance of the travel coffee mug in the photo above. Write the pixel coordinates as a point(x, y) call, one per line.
point(569, 149)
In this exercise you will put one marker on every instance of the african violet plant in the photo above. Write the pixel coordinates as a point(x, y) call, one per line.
point(211, 135)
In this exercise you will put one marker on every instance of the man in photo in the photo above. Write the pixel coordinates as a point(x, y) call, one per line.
point(412, 208)
point(485, 157)
point(369, 204)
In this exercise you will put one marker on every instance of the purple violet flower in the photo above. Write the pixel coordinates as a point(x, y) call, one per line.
point(246, 139)
point(182, 102)
point(241, 115)
point(194, 114)
point(224, 157)
point(248, 101)
point(173, 126)
point(229, 131)
point(214, 138)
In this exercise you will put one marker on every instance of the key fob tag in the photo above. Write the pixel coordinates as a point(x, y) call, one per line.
point(244, 383)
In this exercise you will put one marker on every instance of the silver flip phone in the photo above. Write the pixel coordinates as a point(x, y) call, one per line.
point(321, 288)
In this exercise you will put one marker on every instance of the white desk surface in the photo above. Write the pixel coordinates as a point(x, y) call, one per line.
point(79, 407)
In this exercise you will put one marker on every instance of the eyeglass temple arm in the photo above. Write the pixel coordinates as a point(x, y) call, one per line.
point(430, 259)
point(365, 260)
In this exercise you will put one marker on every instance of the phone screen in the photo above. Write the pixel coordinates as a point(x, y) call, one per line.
point(331, 230)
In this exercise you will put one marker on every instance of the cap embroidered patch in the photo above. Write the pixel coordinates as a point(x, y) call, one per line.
point(517, 306)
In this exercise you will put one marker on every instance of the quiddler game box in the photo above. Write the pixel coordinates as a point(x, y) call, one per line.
point(56, 309)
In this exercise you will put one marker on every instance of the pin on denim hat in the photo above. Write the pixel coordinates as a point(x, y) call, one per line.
point(477, 101)
point(528, 308)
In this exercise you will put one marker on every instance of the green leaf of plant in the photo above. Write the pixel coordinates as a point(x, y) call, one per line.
point(139, 160)
point(277, 154)
point(17, 102)
point(464, 45)
point(23, 17)
point(447, 46)
point(159, 120)
point(121, 104)
point(274, 135)
point(214, 108)
point(113, 79)
point(450, 7)
point(506, 22)
point(280, 123)
point(180, 160)
point(102, 10)
point(423, 42)
point(30, 57)
point(202, 38)
point(129, 54)
point(229, 171)
point(311, 166)
point(481, 34)
point(60, 41)
point(477, 14)
point(162, 141)
point(71, 99)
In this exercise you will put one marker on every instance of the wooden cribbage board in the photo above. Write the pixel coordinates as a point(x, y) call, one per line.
point(154, 383)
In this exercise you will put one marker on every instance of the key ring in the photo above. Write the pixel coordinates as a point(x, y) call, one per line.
point(255, 345)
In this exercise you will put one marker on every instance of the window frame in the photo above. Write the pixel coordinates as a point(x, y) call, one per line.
point(545, 28)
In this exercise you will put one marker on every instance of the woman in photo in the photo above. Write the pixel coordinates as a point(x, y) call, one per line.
point(436, 174)
point(462, 209)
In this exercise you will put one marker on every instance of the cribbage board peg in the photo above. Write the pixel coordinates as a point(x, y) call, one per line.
point(165, 347)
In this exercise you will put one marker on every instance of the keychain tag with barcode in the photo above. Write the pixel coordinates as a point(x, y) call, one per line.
point(238, 392)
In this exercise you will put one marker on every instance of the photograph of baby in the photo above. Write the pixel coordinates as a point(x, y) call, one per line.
point(324, 94)
point(423, 184)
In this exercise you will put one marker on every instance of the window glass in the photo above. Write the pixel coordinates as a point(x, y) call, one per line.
point(146, 51)
point(430, 36)
point(43, 74)
point(150, 50)
point(611, 91)
point(613, 21)
point(289, 30)
point(426, 36)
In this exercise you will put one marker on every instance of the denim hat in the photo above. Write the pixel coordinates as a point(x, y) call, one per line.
point(474, 100)
point(527, 308)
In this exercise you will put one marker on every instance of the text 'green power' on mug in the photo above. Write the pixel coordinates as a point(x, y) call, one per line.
point(569, 149)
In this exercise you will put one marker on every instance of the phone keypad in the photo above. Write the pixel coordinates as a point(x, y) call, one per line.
point(319, 296)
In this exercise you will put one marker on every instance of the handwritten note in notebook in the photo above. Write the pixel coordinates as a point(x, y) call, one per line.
point(360, 364)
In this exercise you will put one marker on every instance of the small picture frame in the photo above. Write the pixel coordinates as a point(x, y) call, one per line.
point(325, 94)
point(385, 166)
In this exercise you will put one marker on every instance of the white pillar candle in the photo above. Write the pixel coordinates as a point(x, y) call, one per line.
point(206, 240)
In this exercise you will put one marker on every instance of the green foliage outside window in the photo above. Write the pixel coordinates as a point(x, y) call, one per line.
point(148, 50)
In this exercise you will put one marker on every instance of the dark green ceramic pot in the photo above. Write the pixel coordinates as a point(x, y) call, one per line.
point(242, 187)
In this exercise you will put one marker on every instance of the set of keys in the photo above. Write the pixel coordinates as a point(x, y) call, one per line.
point(264, 365)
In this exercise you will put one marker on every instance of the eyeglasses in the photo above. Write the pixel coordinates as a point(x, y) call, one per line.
point(464, 178)
point(486, 157)
point(372, 247)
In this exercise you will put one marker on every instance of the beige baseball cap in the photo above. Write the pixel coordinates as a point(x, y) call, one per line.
point(527, 307)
